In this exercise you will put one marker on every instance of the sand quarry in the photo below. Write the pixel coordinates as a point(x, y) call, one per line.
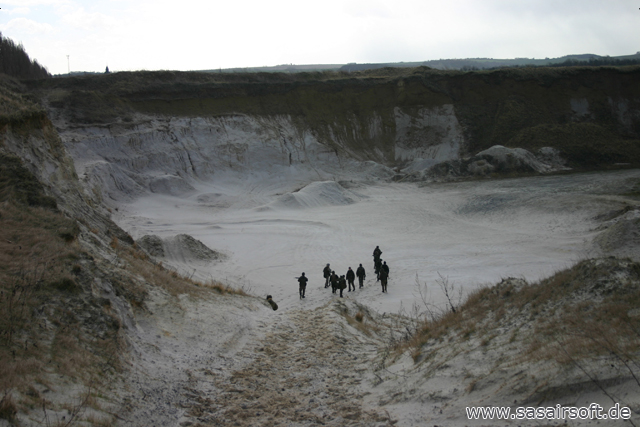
point(269, 231)
point(234, 361)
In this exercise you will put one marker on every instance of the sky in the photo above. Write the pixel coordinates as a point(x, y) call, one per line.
point(128, 35)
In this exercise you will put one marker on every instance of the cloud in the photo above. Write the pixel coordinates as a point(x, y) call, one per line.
point(19, 11)
point(80, 19)
point(27, 26)
point(367, 9)
point(25, 3)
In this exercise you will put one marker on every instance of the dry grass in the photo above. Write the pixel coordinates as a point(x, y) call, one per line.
point(362, 319)
point(49, 324)
point(8, 409)
point(35, 264)
point(582, 312)
point(171, 281)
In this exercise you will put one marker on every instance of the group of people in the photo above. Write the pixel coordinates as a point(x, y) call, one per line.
point(340, 283)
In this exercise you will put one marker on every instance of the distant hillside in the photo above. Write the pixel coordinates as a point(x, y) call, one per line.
point(489, 63)
point(449, 64)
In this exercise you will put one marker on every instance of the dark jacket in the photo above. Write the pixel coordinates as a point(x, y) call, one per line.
point(385, 268)
point(326, 272)
point(272, 303)
point(351, 275)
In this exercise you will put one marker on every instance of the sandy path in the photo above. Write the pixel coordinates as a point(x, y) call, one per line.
point(307, 370)
point(234, 361)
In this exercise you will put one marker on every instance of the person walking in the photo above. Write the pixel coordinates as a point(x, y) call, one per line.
point(334, 282)
point(351, 276)
point(302, 280)
point(384, 276)
point(342, 284)
point(378, 266)
point(326, 271)
point(376, 254)
point(361, 275)
point(385, 267)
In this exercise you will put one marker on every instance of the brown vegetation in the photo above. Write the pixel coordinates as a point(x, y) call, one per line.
point(48, 324)
point(52, 324)
point(579, 313)
point(159, 275)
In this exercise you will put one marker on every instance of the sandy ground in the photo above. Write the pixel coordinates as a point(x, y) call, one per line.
point(471, 233)
point(234, 361)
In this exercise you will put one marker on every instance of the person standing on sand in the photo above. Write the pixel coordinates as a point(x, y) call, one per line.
point(385, 267)
point(302, 280)
point(378, 266)
point(327, 275)
point(361, 275)
point(384, 276)
point(342, 284)
point(351, 276)
point(376, 254)
point(334, 281)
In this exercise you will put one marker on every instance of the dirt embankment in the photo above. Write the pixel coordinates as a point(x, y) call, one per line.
point(591, 114)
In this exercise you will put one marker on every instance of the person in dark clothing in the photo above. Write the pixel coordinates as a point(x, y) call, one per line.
point(376, 254)
point(378, 266)
point(351, 276)
point(302, 280)
point(342, 284)
point(334, 282)
point(272, 303)
point(385, 267)
point(327, 275)
point(384, 275)
point(361, 275)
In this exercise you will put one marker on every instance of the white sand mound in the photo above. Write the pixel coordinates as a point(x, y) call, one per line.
point(181, 248)
point(317, 194)
point(503, 159)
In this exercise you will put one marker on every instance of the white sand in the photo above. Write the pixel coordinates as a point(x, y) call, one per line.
point(233, 360)
point(472, 233)
point(277, 202)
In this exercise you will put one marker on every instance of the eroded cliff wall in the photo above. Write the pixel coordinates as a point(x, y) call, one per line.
point(133, 132)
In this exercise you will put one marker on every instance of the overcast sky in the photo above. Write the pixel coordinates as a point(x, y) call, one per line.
point(198, 35)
